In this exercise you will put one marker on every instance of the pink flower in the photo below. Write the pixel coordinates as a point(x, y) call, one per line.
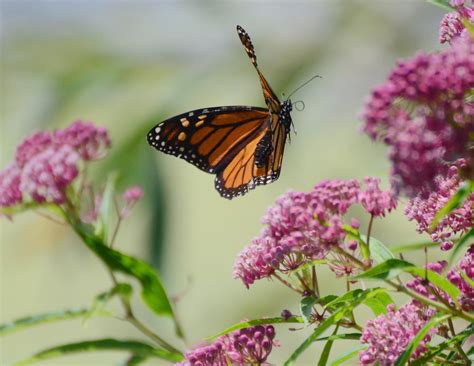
point(423, 209)
point(466, 268)
point(45, 177)
point(132, 195)
point(428, 290)
point(46, 163)
point(304, 226)
point(450, 27)
point(374, 200)
point(10, 193)
point(248, 346)
point(389, 335)
point(89, 141)
point(436, 125)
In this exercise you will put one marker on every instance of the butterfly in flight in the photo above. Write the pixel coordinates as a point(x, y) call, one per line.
point(242, 145)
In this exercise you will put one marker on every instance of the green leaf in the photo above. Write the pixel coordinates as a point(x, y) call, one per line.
point(123, 290)
point(443, 4)
point(454, 202)
point(153, 291)
point(136, 360)
point(101, 226)
point(306, 307)
point(436, 279)
point(327, 349)
point(107, 344)
point(348, 356)
point(412, 247)
point(469, 26)
point(355, 297)
point(378, 304)
point(342, 336)
point(379, 252)
point(386, 270)
point(251, 323)
point(34, 320)
point(435, 350)
point(354, 234)
point(434, 321)
point(347, 297)
point(466, 239)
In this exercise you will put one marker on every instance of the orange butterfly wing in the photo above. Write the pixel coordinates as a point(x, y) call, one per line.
point(242, 173)
point(209, 137)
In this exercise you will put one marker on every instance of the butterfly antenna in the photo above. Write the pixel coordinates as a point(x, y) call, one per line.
point(305, 83)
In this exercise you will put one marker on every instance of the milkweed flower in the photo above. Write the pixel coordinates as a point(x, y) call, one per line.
point(47, 163)
point(465, 268)
point(244, 347)
point(424, 207)
point(10, 193)
point(389, 335)
point(131, 196)
point(451, 26)
point(305, 226)
point(459, 276)
point(422, 113)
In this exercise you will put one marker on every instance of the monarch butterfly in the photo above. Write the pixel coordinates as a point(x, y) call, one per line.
point(242, 145)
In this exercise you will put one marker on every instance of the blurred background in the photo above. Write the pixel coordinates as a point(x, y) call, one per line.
point(127, 65)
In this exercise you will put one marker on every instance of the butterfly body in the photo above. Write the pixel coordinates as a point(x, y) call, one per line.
point(242, 145)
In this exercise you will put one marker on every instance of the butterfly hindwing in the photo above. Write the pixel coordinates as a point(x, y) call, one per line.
point(208, 137)
point(245, 172)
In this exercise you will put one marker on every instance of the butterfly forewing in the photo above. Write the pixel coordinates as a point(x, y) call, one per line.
point(208, 137)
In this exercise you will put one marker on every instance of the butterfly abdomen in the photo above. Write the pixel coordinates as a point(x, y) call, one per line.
point(263, 150)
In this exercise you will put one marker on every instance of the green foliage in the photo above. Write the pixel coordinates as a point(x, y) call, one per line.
point(434, 321)
point(350, 301)
point(461, 244)
point(351, 354)
point(443, 4)
point(153, 292)
point(386, 270)
point(306, 307)
point(447, 344)
point(34, 320)
point(378, 251)
point(454, 202)
point(137, 348)
point(251, 323)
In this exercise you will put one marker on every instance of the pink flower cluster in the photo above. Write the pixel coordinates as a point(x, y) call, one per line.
point(389, 335)
point(451, 26)
point(424, 207)
point(303, 226)
point(248, 346)
point(457, 276)
point(422, 114)
point(46, 163)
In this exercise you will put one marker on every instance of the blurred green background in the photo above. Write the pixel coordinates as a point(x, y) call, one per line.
point(127, 65)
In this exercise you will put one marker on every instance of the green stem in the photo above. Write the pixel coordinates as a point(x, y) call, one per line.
point(286, 283)
point(457, 345)
point(369, 230)
point(431, 303)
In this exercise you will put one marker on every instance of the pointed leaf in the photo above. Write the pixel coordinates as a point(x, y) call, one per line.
point(415, 246)
point(443, 4)
point(436, 279)
point(405, 356)
point(107, 344)
point(306, 307)
point(386, 270)
point(153, 291)
point(456, 201)
point(34, 320)
point(251, 323)
point(348, 356)
point(464, 241)
point(378, 251)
